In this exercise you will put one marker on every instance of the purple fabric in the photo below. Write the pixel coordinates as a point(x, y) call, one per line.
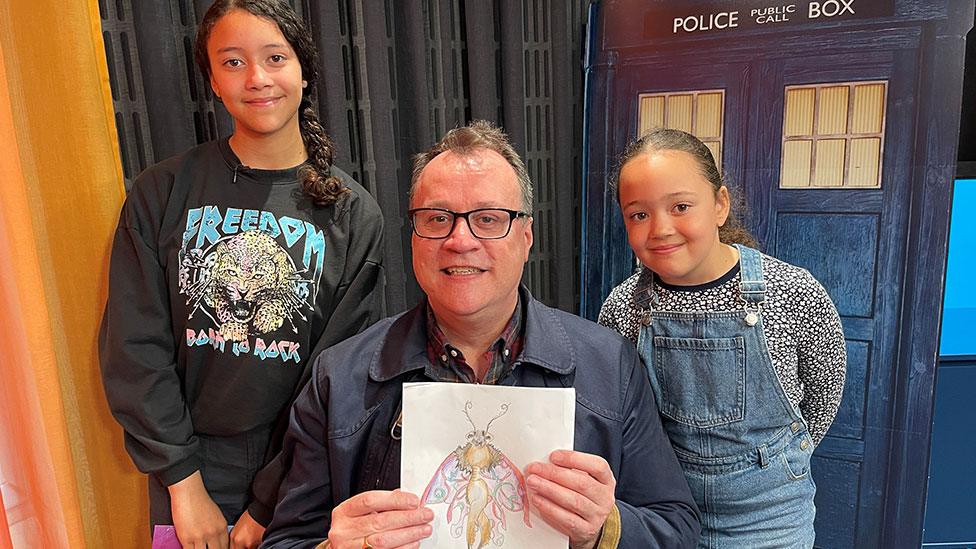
point(164, 537)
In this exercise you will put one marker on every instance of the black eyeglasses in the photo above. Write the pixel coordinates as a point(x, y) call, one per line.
point(485, 223)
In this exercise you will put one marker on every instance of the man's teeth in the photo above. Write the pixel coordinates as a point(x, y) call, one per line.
point(462, 270)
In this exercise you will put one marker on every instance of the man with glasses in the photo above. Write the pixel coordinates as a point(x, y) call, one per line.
point(471, 204)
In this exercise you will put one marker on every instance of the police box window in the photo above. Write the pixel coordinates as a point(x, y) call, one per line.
point(833, 135)
point(699, 113)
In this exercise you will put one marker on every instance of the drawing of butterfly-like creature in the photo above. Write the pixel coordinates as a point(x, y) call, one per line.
point(479, 484)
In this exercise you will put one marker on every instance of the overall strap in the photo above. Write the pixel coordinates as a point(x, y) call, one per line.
point(645, 296)
point(752, 286)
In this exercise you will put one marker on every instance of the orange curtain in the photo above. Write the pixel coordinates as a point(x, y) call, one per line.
point(5, 542)
point(65, 480)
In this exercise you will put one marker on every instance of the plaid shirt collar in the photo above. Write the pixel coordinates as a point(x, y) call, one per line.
point(447, 363)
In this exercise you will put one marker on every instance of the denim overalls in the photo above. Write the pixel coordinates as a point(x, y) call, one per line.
point(744, 449)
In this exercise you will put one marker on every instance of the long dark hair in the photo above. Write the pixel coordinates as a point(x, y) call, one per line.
point(666, 139)
point(318, 182)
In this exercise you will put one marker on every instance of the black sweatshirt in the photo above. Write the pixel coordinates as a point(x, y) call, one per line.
point(224, 281)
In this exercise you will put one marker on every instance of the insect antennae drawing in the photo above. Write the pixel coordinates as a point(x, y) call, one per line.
point(479, 484)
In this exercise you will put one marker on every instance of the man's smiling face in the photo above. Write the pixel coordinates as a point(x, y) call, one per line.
point(466, 278)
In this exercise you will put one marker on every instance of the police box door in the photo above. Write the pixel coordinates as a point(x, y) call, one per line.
point(820, 143)
point(829, 166)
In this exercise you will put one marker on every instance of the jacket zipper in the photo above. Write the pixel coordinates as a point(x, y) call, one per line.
point(396, 432)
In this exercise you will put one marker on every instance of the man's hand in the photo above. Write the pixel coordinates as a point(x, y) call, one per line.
point(246, 533)
point(382, 518)
point(198, 521)
point(573, 493)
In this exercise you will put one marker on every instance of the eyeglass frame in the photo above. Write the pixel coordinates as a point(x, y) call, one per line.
point(512, 216)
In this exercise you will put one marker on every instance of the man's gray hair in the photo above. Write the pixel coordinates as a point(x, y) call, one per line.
point(479, 134)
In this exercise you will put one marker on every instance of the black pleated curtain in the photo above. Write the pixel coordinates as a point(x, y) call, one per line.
point(395, 75)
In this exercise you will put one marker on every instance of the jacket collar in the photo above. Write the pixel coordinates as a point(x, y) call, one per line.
point(546, 343)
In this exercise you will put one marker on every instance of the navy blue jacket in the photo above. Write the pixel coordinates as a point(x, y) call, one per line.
point(339, 439)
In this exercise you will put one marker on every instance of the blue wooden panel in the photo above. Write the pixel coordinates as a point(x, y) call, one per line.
point(860, 329)
point(828, 200)
point(848, 449)
point(849, 422)
point(840, 250)
point(837, 494)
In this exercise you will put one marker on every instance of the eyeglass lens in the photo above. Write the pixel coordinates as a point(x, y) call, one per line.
point(484, 223)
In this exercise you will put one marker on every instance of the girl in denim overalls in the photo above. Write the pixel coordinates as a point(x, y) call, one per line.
point(744, 352)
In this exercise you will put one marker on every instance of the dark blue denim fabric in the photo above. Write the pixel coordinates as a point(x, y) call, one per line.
point(744, 449)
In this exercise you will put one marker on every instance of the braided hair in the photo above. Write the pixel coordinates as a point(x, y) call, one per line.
point(318, 183)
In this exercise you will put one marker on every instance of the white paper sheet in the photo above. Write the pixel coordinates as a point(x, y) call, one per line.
point(443, 429)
